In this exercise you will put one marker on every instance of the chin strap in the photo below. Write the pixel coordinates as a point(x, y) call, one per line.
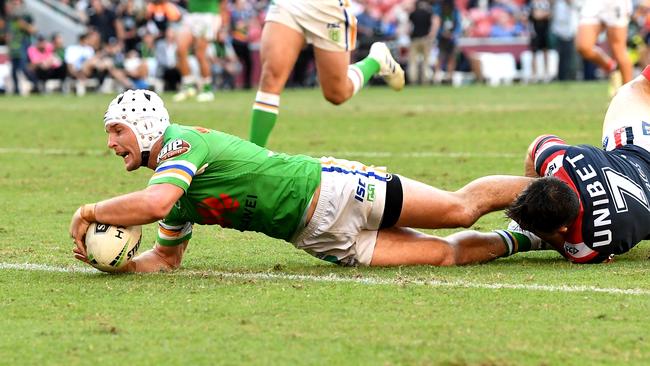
point(145, 158)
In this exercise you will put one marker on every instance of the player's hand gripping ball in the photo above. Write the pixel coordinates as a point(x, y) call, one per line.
point(109, 247)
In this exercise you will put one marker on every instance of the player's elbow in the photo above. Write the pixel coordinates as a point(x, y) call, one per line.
point(159, 201)
point(158, 211)
point(155, 209)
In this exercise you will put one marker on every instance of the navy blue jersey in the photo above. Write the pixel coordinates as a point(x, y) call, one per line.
point(613, 189)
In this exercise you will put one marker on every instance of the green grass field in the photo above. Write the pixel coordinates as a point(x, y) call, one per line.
point(240, 298)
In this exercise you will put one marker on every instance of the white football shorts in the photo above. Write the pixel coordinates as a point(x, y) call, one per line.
point(327, 24)
point(611, 13)
point(348, 214)
point(203, 25)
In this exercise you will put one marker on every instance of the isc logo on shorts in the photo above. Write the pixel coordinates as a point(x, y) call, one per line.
point(363, 189)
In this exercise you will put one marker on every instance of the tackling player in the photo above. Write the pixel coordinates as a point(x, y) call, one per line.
point(593, 204)
point(337, 210)
point(199, 27)
point(331, 28)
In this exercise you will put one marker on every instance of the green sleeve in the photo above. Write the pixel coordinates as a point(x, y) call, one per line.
point(180, 158)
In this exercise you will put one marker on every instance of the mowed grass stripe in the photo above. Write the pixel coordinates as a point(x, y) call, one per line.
point(372, 281)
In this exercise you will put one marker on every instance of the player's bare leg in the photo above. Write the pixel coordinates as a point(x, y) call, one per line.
point(332, 69)
point(404, 246)
point(280, 48)
point(200, 50)
point(340, 80)
point(432, 208)
point(184, 42)
point(617, 40)
point(586, 39)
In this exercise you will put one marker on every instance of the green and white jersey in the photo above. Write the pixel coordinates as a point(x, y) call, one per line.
point(233, 183)
point(203, 6)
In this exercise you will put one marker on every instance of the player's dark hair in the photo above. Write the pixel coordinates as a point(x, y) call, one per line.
point(546, 205)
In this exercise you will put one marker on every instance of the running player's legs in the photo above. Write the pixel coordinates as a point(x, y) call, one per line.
point(428, 207)
point(183, 43)
point(616, 17)
point(332, 69)
point(206, 28)
point(617, 40)
point(331, 29)
point(280, 47)
point(586, 38)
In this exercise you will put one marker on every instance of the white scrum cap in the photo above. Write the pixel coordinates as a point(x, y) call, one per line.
point(143, 112)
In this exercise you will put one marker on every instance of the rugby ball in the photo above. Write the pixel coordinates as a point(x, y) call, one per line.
point(109, 247)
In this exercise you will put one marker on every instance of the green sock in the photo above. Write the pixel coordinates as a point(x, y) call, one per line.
point(514, 241)
point(361, 72)
point(265, 113)
point(369, 67)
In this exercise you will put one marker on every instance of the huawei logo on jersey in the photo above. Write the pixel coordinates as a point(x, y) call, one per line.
point(173, 148)
point(213, 210)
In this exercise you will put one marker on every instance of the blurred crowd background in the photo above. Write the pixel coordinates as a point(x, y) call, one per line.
point(104, 45)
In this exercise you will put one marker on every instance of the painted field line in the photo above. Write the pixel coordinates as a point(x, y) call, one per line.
point(363, 154)
point(373, 281)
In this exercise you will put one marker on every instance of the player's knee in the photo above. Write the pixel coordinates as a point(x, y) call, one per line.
point(271, 78)
point(463, 214)
point(336, 95)
point(335, 98)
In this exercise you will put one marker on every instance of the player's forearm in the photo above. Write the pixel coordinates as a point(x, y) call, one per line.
point(136, 208)
point(158, 259)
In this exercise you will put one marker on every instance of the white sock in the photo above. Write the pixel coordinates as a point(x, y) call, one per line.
point(356, 76)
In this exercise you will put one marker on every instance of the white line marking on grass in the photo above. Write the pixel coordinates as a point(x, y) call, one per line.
point(332, 278)
point(364, 154)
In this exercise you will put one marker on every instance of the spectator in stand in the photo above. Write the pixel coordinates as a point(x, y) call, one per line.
point(160, 15)
point(369, 29)
point(128, 21)
point(505, 24)
point(242, 15)
point(147, 52)
point(136, 69)
point(81, 61)
point(540, 20)
point(448, 28)
point(113, 62)
point(480, 23)
point(564, 24)
point(45, 63)
point(103, 20)
point(166, 60)
point(58, 46)
point(4, 68)
point(422, 38)
point(225, 63)
point(641, 18)
point(20, 30)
